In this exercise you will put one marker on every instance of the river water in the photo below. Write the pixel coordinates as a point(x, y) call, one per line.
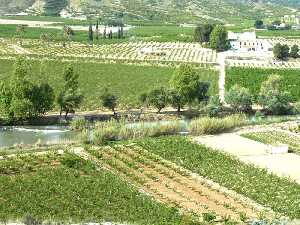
point(29, 135)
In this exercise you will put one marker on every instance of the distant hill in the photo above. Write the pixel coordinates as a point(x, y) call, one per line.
point(190, 11)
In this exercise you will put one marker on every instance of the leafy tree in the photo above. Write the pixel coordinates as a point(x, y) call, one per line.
point(218, 38)
point(176, 100)
point(97, 30)
point(42, 98)
point(203, 32)
point(69, 97)
point(5, 101)
point(158, 98)
point(239, 98)
point(187, 82)
point(109, 101)
point(54, 7)
point(281, 51)
point(91, 34)
point(67, 34)
point(295, 52)
point(21, 99)
point(272, 97)
point(259, 24)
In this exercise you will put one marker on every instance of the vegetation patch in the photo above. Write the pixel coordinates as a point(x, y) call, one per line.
point(280, 194)
point(276, 137)
point(252, 78)
point(128, 82)
point(74, 191)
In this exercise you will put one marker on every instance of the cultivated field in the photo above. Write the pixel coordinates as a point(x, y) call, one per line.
point(174, 185)
point(128, 82)
point(276, 137)
point(252, 79)
point(136, 52)
point(58, 186)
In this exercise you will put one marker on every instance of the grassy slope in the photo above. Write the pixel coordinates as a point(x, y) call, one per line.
point(252, 79)
point(126, 81)
point(280, 194)
point(75, 191)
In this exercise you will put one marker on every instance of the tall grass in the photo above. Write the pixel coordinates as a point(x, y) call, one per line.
point(209, 125)
point(117, 131)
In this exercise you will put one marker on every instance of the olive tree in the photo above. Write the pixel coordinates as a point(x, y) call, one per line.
point(239, 98)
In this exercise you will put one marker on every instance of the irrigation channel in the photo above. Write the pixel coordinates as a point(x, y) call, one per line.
point(29, 135)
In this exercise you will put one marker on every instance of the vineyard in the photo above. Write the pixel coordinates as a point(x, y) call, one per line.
point(252, 79)
point(134, 52)
point(174, 185)
point(153, 181)
point(58, 185)
point(128, 82)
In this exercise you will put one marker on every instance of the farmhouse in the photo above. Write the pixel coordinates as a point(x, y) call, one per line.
point(248, 42)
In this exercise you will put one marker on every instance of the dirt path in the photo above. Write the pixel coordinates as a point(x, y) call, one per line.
point(249, 151)
point(174, 185)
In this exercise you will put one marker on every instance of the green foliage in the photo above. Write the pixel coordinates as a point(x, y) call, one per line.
point(214, 106)
point(158, 98)
point(281, 51)
point(275, 138)
point(69, 97)
point(79, 124)
point(176, 100)
point(295, 52)
point(187, 81)
point(113, 130)
point(20, 98)
point(74, 190)
point(208, 125)
point(252, 78)
point(109, 101)
point(280, 194)
point(259, 24)
point(272, 98)
point(239, 99)
point(203, 32)
point(218, 39)
point(53, 7)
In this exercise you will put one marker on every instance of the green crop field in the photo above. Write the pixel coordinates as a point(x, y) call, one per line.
point(252, 79)
point(65, 187)
point(280, 194)
point(279, 33)
point(126, 81)
point(161, 33)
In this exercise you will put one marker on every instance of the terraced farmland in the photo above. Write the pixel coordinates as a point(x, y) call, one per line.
point(174, 185)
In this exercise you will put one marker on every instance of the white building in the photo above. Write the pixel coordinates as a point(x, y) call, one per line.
point(248, 42)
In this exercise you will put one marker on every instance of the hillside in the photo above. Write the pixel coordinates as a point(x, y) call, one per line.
point(160, 10)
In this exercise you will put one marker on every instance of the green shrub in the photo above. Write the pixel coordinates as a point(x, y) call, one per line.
point(208, 125)
point(115, 131)
point(239, 98)
point(79, 124)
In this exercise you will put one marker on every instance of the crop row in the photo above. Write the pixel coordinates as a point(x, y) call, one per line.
point(135, 51)
point(280, 194)
point(171, 184)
